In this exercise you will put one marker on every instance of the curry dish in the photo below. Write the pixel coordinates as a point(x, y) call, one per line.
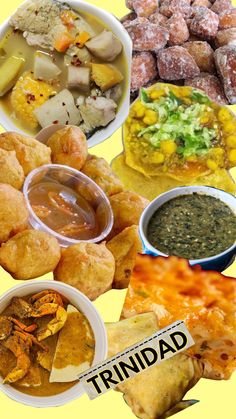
point(42, 337)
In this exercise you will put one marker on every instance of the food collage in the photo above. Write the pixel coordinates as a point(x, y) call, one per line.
point(117, 193)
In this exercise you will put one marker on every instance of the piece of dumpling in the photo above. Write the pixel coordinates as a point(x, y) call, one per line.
point(75, 348)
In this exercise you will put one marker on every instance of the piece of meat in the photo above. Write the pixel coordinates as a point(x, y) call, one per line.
point(158, 19)
point(40, 22)
point(147, 36)
point(105, 46)
point(32, 378)
point(114, 93)
point(221, 6)
point(211, 85)
point(225, 59)
point(204, 23)
point(168, 7)
point(202, 54)
point(176, 63)
point(228, 20)
point(19, 308)
point(98, 112)
point(225, 37)
point(144, 69)
point(178, 29)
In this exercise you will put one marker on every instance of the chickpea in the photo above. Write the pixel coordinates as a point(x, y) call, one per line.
point(232, 156)
point(212, 165)
point(168, 146)
point(231, 141)
point(157, 158)
point(224, 115)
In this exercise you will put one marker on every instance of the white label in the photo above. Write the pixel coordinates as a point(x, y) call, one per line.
point(137, 358)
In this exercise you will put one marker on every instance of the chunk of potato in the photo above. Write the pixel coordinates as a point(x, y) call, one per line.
point(8, 73)
point(105, 46)
point(106, 76)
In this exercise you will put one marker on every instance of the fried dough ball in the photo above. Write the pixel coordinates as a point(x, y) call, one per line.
point(88, 267)
point(30, 254)
point(127, 209)
point(125, 248)
point(13, 212)
point(69, 147)
point(97, 169)
point(29, 152)
point(11, 172)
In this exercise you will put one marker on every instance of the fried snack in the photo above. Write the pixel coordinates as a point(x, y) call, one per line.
point(211, 85)
point(127, 208)
point(69, 147)
point(30, 254)
point(144, 70)
point(204, 23)
point(11, 171)
point(176, 63)
point(88, 267)
point(178, 29)
point(13, 212)
point(29, 152)
point(151, 187)
point(204, 300)
point(146, 394)
point(97, 169)
point(125, 248)
point(203, 54)
point(225, 58)
point(178, 132)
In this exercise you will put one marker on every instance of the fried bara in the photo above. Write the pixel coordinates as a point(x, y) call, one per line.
point(29, 152)
point(11, 172)
point(13, 212)
point(127, 208)
point(97, 169)
point(30, 254)
point(69, 147)
point(125, 248)
point(204, 300)
point(88, 267)
point(151, 187)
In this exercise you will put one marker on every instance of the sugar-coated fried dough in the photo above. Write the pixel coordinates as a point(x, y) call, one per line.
point(125, 248)
point(13, 212)
point(29, 152)
point(69, 147)
point(30, 254)
point(97, 169)
point(127, 209)
point(88, 267)
point(11, 171)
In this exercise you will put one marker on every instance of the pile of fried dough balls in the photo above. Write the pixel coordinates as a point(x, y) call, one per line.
point(26, 253)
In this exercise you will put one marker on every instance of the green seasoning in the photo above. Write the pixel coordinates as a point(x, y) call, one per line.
point(193, 227)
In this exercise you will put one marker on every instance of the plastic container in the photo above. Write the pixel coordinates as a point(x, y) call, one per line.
point(117, 28)
point(73, 179)
point(218, 262)
point(81, 302)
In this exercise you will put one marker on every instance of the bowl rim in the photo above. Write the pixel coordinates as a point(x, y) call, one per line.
point(186, 190)
point(118, 29)
point(78, 174)
point(95, 321)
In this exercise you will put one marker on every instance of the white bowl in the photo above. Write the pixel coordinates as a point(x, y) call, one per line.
point(117, 28)
point(81, 302)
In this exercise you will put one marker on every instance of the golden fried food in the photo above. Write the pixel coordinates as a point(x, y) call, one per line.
point(152, 393)
point(97, 169)
point(151, 187)
point(11, 171)
point(125, 248)
point(127, 209)
point(69, 147)
point(204, 300)
point(29, 152)
point(13, 212)
point(30, 254)
point(88, 267)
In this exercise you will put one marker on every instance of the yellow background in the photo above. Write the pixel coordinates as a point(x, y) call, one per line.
point(217, 398)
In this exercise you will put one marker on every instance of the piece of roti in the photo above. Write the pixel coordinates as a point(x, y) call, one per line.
point(75, 348)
